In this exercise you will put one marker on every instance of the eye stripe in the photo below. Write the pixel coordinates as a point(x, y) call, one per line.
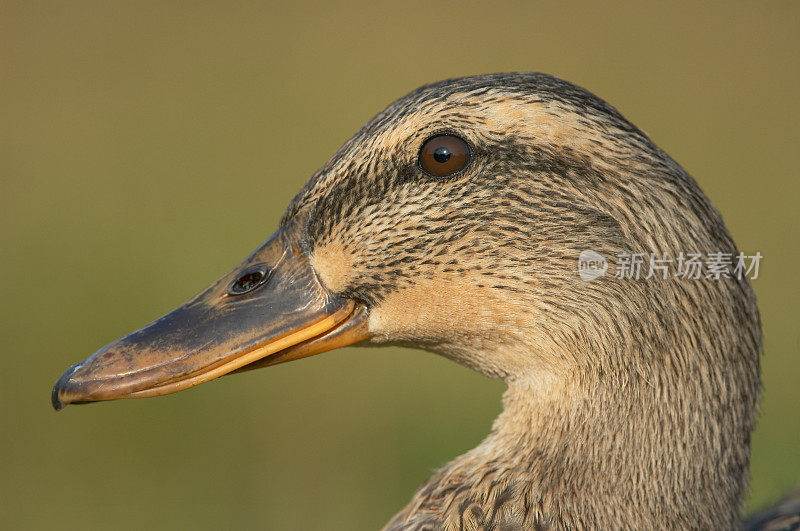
point(444, 155)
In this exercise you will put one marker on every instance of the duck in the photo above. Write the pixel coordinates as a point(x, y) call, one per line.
point(455, 221)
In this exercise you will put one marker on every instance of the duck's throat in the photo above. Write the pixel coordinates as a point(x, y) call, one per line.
point(584, 457)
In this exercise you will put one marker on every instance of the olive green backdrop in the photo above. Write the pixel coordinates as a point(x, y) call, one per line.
point(147, 148)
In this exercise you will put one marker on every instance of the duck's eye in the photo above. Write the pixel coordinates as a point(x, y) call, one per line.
point(444, 155)
point(250, 279)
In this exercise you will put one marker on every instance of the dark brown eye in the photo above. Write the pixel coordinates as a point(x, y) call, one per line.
point(444, 155)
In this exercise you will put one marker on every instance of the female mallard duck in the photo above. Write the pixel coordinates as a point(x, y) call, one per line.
point(453, 222)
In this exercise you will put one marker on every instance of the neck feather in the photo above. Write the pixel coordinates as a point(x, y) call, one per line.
point(577, 452)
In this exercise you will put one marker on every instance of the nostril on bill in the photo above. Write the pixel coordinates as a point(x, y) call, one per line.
point(251, 279)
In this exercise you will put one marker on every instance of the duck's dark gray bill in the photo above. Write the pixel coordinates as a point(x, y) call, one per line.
point(270, 309)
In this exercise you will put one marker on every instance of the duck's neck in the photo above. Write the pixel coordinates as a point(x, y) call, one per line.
point(587, 455)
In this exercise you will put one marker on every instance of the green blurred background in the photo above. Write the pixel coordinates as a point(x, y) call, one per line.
point(147, 148)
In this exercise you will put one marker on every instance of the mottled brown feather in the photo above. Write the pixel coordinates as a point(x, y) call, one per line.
point(630, 403)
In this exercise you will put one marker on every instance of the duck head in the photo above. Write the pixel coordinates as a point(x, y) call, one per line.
point(453, 221)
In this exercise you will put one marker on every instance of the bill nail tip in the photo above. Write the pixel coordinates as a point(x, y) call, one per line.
point(56, 402)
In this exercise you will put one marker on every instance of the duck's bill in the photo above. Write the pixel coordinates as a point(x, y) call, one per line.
point(270, 309)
